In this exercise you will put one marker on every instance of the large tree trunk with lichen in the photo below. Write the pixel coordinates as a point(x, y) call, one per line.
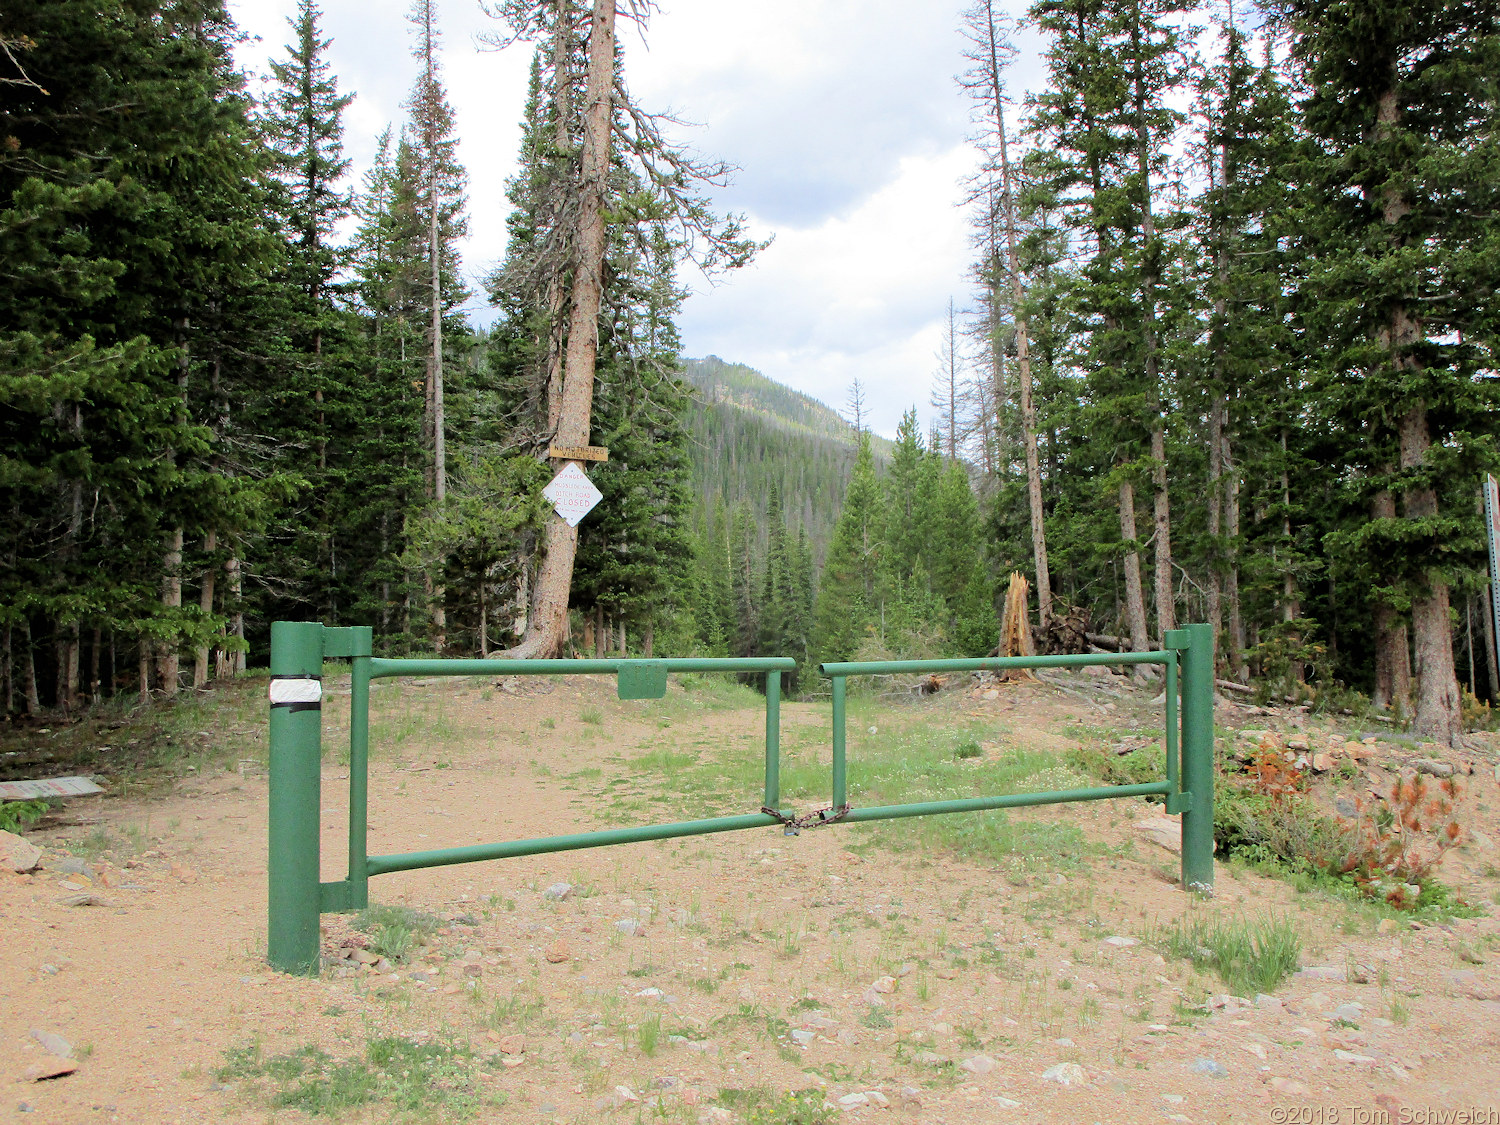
point(573, 405)
point(1438, 714)
point(1392, 645)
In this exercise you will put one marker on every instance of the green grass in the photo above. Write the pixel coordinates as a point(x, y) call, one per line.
point(703, 691)
point(591, 716)
point(909, 758)
point(666, 760)
point(416, 1081)
point(754, 1018)
point(1249, 956)
point(395, 930)
point(515, 1011)
point(875, 1018)
point(648, 1036)
point(801, 1107)
point(397, 723)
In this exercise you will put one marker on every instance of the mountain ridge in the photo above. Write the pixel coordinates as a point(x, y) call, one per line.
point(749, 434)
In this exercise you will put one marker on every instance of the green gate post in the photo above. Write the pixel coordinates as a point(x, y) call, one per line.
point(772, 795)
point(360, 649)
point(292, 943)
point(1198, 759)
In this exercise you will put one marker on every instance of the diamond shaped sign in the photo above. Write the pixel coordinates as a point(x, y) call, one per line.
point(572, 494)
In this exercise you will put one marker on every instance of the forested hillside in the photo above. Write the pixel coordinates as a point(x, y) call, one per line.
point(750, 437)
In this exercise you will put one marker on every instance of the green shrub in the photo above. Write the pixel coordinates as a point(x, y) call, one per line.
point(15, 815)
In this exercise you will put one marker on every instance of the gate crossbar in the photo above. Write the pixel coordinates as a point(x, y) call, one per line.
point(511, 849)
point(1187, 736)
point(296, 897)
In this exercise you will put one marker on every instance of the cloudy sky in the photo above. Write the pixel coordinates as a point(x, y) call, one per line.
point(842, 116)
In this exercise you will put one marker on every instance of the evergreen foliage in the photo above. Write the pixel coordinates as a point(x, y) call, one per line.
point(1255, 293)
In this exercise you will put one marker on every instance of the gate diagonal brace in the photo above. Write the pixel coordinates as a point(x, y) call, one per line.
point(793, 825)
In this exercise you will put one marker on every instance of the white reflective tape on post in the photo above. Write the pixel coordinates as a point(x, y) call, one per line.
point(296, 691)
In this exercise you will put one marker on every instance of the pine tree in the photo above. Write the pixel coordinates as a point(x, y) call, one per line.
point(1108, 122)
point(302, 122)
point(1402, 228)
point(135, 281)
point(595, 129)
point(905, 523)
point(850, 589)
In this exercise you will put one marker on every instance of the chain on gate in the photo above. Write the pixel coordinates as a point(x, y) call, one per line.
point(793, 825)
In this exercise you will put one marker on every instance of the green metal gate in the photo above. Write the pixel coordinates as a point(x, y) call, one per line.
point(297, 896)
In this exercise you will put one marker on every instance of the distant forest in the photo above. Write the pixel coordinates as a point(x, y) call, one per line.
point(1227, 354)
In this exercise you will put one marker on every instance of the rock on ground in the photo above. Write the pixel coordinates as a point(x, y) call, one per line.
point(18, 854)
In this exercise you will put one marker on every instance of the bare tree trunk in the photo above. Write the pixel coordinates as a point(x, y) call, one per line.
point(624, 643)
point(1438, 714)
point(1215, 504)
point(952, 384)
point(236, 659)
point(648, 642)
point(1023, 347)
point(68, 643)
point(385, 583)
point(484, 623)
point(557, 293)
point(67, 665)
point(1166, 617)
point(1291, 604)
point(1489, 647)
point(1232, 567)
point(1469, 642)
point(206, 604)
point(1166, 614)
point(28, 673)
point(7, 670)
point(145, 671)
point(435, 381)
point(1135, 597)
point(1218, 408)
point(546, 627)
point(94, 688)
point(1392, 647)
point(171, 598)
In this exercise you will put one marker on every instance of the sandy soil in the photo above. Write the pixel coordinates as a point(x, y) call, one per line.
point(683, 980)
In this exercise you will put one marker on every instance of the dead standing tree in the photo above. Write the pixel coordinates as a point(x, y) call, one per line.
point(990, 51)
point(564, 276)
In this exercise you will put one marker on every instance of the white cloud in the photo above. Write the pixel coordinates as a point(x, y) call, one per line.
point(860, 295)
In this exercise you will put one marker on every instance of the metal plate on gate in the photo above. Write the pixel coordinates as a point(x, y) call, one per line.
point(643, 679)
